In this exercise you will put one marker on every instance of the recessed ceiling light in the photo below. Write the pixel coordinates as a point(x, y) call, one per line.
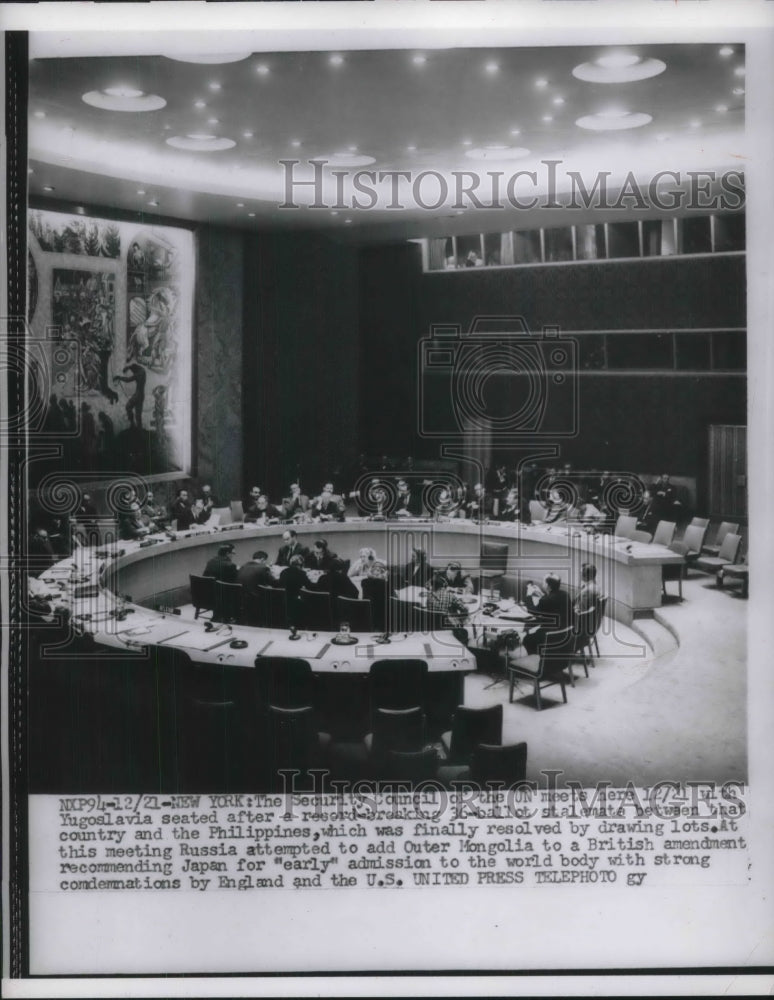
point(247, 135)
point(141, 191)
point(240, 204)
point(348, 222)
point(251, 215)
point(613, 120)
point(347, 159)
point(334, 212)
point(214, 58)
point(541, 82)
point(200, 104)
point(39, 114)
point(295, 143)
point(419, 59)
point(153, 203)
point(262, 69)
point(336, 60)
point(694, 123)
point(726, 51)
point(738, 91)
point(492, 67)
point(515, 131)
point(467, 142)
point(199, 142)
point(548, 118)
point(411, 149)
point(721, 108)
point(123, 99)
point(558, 101)
point(48, 187)
point(739, 71)
point(213, 121)
point(618, 67)
point(214, 85)
point(497, 152)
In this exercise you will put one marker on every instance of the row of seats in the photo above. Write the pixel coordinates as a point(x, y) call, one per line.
point(720, 558)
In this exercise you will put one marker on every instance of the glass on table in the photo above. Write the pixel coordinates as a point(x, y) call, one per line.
point(344, 629)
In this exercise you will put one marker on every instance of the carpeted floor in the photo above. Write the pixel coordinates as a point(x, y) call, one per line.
point(665, 702)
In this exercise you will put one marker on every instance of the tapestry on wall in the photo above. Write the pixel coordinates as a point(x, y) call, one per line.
point(112, 324)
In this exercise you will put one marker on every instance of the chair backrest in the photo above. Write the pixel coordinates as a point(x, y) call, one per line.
point(499, 763)
point(494, 557)
point(203, 591)
point(376, 592)
point(556, 649)
point(599, 613)
point(472, 726)
point(585, 624)
point(221, 515)
point(237, 511)
point(641, 536)
point(403, 729)
point(665, 532)
point(537, 510)
point(726, 528)
point(410, 765)
point(400, 616)
point(228, 601)
point(397, 683)
point(729, 550)
point(315, 610)
point(625, 525)
point(357, 613)
point(699, 522)
point(693, 539)
point(272, 610)
point(285, 682)
point(292, 740)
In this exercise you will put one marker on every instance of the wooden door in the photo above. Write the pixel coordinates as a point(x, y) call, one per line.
point(727, 471)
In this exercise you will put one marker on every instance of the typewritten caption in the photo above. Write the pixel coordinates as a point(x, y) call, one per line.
point(397, 840)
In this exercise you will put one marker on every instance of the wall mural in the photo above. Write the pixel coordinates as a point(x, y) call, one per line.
point(113, 318)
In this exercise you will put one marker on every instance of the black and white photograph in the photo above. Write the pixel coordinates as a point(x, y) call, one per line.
point(386, 442)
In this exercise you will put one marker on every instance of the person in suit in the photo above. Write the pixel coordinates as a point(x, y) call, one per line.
point(409, 502)
point(250, 504)
point(209, 502)
point(366, 557)
point(376, 589)
point(456, 579)
point(156, 516)
point(130, 523)
point(255, 573)
point(664, 500)
point(589, 594)
point(442, 600)
point(321, 557)
point(86, 512)
point(549, 603)
point(336, 582)
point(479, 505)
point(181, 511)
point(327, 506)
point(264, 512)
point(416, 573)
point(293, 578)
point(221, 566)
point(290, 547)
point(297, 504)
point(511, 508)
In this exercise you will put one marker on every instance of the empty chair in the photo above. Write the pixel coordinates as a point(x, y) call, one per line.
point(665, 533)
point(237, 511)
point(221, 515)
point(693, 539)
point(699, 522)
point(397, 684)
point(401, 729)
point(546, 668)
point(315, 610)
point(376, 591)
point(267, 609)
point(494, 562)
point(537, 511)
point(471, 726)
point(625, 525)
point(359, 614)
point(292, 742)
point(728, 554)
point(499, 763)
point(641, 536)
point(410, 765)
point(228, 602)
point(674, 571)
point(726, 528)
point(202, 593)
point(286, 682)
point(736, 573)
point(584, 623)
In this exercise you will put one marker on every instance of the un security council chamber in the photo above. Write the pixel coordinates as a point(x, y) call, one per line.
point(389, 415)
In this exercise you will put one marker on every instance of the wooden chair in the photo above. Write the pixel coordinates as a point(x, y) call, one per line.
point(674, 571)
point(641, 536)
point(471, 726)
point(359, 614)
point(726, 528)
point(270, 608)
point(494, 562)
point(315, 610)
point(203, 595)
point(237, 511)
point(547, 667)
point(499, 763)
point(625, 525)
point(727, 555)
point(285, 682)
point(665, 533)
point(397, 684)
point(228, 602)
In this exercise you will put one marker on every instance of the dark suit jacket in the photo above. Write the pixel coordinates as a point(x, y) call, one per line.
point(324, 563)
point(412, 502)
point(337, 585)
point(377, 591)
point(222, 569)
point(295, 505)
point(334, 508)
point(181, 510)
point(252, 576)
point(285, 553)
point(293, 578)
point(413, 575)
point(555, 606)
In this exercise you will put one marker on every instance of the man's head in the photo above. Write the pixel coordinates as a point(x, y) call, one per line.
point(297, 561)
point(665, 478)
point(439, 581)
point(260, 558)
point(255, 492)
point(378, 570)
point(452, 569)
point(402, 486)
point(295, 489)
point(328, 488)
point(148, 497)
point(418, 556)
point(87, 497)
point(182, 494)
point(288, 537)
point(263, 502)
point(320, 547)
point(553, 583)
point(478, 489)
point(588, 572)
point(224, 551)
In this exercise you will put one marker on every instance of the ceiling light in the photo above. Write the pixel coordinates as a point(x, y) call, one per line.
point(48, 187)
point(491, 67)
point(548, 118)
point(419, 59)
point(497, 152)
point(39, 114)
point(214, 85)
point(726, 51)
point(721, 108)
point(240, 204)
point(348, 221)
point(558, 101)
point(342, 159)
point(613, 121)
point(247, 135)
point(739, 71)
point(694, 123)
point(467, 142)
point(541, 83)
point(251, 215)
point(123, 99)
point(211, 58)
point(141, 191)
point(618, 67)
point(213, 121)
point(153, 203)
point(515, 131)
point(411, 149)
point(336, 60)
point(738, 91)
point(295, 143)
point(199, 142)
point(262, 69)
